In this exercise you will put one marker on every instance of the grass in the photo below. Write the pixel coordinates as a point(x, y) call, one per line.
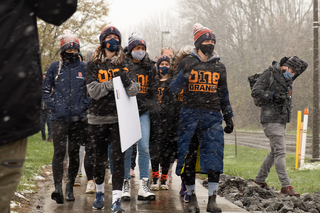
point(39, 153)
point(248, 161)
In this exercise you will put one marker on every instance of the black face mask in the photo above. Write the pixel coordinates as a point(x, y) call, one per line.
point(70, 57)
point(206, 49)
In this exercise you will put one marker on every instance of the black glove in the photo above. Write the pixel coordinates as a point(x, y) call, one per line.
point(283, 60)
point(229, 126)
point(124, 78)
point(279, 97)
point(188, 67)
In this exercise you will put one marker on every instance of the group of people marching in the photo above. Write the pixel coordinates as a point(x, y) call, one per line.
point(182, 101)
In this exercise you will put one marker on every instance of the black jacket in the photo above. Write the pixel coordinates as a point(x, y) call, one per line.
point(20, 65)
point(272, 112)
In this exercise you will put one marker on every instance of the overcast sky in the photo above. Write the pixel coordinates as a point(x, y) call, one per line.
point(126, 14)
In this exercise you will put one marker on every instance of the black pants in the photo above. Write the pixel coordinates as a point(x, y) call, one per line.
point(162, 145)
point(89, 157)
point(101, 136)
point(61, 133)
point(189, 174)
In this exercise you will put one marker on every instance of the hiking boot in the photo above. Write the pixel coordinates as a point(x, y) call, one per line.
point(144, 192)
point(193, 203)
point(116, 207)
point(77, 182)
point(91, 187)
point(262, 185)
point(57, 194)
point(49, 139)
point(126, 190)
point(164, 182)
point(69, 191)
point(44, 138)
point(182, 190)
point(98, 201)
point(289, 191)
point(212, 204)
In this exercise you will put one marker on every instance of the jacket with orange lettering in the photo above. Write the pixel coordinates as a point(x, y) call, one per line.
point(102, 109)
point(141, 73)
point(206, 88)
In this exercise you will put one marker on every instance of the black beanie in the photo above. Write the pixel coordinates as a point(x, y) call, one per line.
point(109, 29)
point(293, 63)
point(134, 40)
point(162, 58)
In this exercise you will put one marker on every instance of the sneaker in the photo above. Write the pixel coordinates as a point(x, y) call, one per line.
point(110, 180)
point(155, 184)
point(186, 197)
point(164, 182)
point(193, 203)
point(91, 187)
point(262, 185)
point(116, 207)
point(126, 190)
point(132, 173)
point(77, 182)
point(289, 191)
point(144, 192)
point(98, 201)
point(182, 190)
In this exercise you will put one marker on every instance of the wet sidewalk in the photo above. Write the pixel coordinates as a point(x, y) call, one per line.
point(166, 201)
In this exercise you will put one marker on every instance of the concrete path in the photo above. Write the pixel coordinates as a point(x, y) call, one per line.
point(166, 201)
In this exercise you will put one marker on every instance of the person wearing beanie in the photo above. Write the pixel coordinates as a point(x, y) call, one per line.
point(203, 79)
point(68, 104)
point(136, 52)
point(162, 146)
point(275, 113)
point(107, 62)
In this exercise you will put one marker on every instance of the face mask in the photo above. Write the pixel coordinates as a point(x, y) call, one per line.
point(288, 75)
point(138, 55)
point(112, 45)
point(70, 57)
point(207, 49)
point(164, 70)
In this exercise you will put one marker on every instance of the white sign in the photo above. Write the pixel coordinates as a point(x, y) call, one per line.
point(128, 116)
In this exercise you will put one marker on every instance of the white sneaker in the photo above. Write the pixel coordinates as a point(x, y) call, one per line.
point(155, 184)
point(164, 185)
point(77, 182)
point(110, 180)
point(144, 191)
point(126, 190)
point(91, 187)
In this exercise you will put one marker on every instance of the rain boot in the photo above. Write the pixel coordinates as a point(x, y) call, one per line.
point(212, 204)
point(57, 194)
point(69, 191)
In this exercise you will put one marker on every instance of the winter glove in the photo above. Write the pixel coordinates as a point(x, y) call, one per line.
point(124, 78)
point(229, 126)
point(279, 97)
point(283, 60)
point(188, 67)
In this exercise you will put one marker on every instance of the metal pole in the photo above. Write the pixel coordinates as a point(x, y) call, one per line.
point(315, 127)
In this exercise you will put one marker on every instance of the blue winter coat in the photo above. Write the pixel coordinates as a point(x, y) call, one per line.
point(66, 96)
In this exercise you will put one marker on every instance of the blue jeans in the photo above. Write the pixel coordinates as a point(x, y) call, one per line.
point(143, 150)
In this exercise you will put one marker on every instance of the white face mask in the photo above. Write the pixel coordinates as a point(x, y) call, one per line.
point(138, 55)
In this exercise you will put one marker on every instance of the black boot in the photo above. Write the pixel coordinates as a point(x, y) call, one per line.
point(212, 204)
point(193, 204)
point(57, 194)
point(69, 191)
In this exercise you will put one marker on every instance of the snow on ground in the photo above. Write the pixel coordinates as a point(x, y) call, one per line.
point(311, 166)
point(38, 177)
point(20, 195)
point(14, 204)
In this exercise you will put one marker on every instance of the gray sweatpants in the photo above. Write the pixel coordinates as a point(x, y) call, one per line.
point(276, 133)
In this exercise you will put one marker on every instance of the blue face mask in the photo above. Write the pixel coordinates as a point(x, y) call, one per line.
point(112, 45)
point(164, 70)
point(288, 75)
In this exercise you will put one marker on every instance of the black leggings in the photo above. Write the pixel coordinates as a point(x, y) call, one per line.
point(89, 160)
point(189, 174)
point(101, 136)
point(61, 133)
